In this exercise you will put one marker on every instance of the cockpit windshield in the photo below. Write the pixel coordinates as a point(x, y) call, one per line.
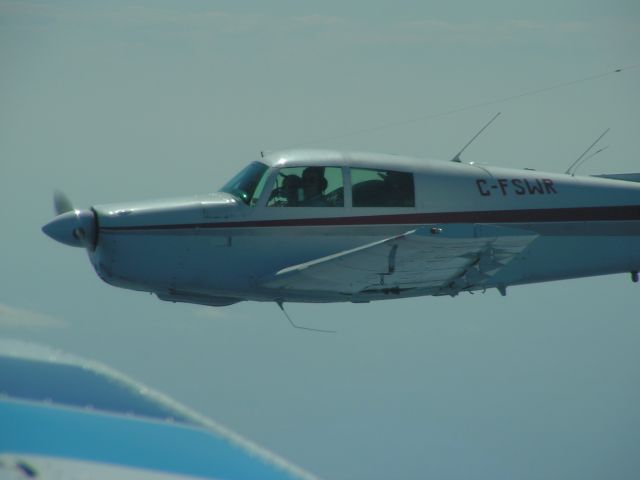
point(248, 184)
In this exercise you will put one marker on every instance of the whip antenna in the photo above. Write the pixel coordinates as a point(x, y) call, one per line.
point(457, 157)
point(281, 305)
point(574, 166)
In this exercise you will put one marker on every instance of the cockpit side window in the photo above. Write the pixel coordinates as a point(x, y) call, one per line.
point(248, 184)
point(308, 187)
point(382, 188)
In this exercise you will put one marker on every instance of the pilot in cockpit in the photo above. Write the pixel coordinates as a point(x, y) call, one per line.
point(313, 186)
point(292, 188)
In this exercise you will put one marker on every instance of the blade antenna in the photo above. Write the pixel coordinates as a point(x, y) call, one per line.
point(574, 165)
point(457, 157)
point(281, 305)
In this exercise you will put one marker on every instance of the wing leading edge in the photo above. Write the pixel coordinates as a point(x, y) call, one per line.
point(442, 259)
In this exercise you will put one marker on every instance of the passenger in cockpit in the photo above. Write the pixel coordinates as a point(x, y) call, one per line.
point(313, 186)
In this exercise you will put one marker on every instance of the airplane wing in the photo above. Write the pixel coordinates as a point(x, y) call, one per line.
point(446, 259)
point(62, 417)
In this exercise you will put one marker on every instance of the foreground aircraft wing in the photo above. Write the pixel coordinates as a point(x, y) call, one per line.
point(63, 417)
point(445, 259)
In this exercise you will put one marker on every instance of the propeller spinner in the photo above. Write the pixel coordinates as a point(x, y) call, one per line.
point(76, 228)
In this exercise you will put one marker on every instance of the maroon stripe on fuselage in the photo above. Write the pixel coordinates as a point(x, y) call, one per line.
point(588, 214)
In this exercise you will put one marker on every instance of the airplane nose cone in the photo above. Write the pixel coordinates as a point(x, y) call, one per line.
point(76, 228)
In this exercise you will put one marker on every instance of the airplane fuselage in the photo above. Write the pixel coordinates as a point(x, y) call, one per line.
point(224, 247)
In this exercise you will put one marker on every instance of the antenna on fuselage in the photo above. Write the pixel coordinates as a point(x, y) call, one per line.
point(281, 305)
point(574, 166)
point(457, 157)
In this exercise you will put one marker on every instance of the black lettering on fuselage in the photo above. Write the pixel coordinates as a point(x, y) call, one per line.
point(533, 189)
point(480, 184)
point(548, 185)
point(516, 186)
point(503, 182)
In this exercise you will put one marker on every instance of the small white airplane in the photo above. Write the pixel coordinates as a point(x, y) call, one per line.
point(328, 226)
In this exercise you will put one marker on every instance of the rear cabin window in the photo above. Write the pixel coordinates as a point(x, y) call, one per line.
point(308, 187)
point(382, 188)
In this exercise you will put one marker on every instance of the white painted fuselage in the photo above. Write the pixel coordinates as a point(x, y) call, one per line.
point(218, 248)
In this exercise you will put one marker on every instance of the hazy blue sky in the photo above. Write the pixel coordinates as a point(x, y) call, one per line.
point(133, 100)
